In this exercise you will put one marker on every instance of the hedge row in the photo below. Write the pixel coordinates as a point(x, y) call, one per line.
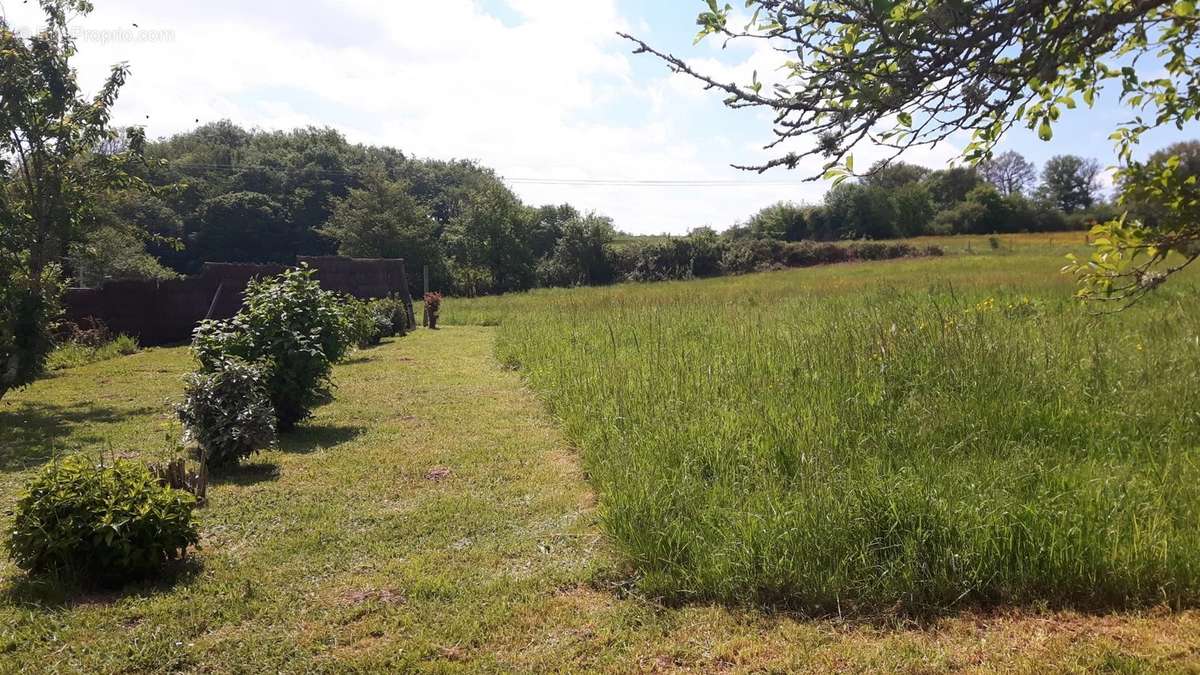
point(692, 257)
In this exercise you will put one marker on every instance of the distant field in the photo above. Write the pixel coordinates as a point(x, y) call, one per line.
point(918, 433)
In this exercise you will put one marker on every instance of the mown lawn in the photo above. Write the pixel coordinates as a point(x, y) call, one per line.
point(351, 548)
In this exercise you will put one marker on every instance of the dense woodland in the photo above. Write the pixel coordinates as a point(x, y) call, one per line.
point(225, 193)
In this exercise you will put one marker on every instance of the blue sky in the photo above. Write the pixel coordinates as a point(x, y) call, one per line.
point(537, 89)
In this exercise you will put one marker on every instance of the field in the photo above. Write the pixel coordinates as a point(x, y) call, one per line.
point(916, 435)
point(745, 474)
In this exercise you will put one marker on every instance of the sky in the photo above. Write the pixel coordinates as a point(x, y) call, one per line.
point(539, 90)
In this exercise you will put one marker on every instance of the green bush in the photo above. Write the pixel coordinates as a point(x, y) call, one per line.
point(293, 330)
point(27, 312)
point(227, 412)
point(396, 310)
point(105, 524)
point(368, 321)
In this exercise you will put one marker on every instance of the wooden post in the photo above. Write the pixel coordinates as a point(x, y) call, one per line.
point(410, 317)
point(212, 306)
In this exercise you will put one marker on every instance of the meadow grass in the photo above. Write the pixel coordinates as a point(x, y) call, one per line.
point(921, 434)
point(75, 354)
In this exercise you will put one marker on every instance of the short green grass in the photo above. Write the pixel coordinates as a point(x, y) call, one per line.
point(917, 434)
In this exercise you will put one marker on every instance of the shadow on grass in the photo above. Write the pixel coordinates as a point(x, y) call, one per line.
point(57, 591)
point(306, 439)
point(245, 474)
point(622, 584)
point(32, 432)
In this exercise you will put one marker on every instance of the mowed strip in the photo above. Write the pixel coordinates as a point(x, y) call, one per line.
point(434, 518)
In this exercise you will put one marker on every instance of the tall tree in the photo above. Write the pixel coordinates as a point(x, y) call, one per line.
point(1009, 172)
point(785, 221)
point(383, 220)
point(491, 236)
point(890, 175)
point(905, 74)
point(1071, 183)
point(57, 155)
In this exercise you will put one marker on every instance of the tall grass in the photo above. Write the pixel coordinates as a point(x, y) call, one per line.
point(924, 433)
point(72, 354)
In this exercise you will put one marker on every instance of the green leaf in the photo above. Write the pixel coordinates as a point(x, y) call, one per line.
point(1185, 8)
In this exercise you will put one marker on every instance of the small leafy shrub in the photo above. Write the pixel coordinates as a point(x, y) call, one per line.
point(368, 321)
point(396, 311)
point(293, 330)
point(105, 524)
point(227, 412)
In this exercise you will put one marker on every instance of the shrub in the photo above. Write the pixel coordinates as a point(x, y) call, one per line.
point(27, 312)
point(807, 253)
point(227, 412)
point(107, 524)
point(368, 322)
point(397, 312)
point(752, 255)
point(293, 330)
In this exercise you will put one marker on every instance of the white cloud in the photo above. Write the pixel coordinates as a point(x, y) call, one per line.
point(553, 96)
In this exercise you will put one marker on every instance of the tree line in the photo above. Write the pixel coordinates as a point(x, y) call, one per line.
point(896, 200)
point(223, 193)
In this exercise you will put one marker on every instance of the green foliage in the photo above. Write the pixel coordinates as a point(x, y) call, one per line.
point(581, 255)
point(291, 329)
point(368, 321)
point(28, 309)
point(697, 255)
point(855, 210)
point(227, 413)
point(784, 221)
point(1133, 257)
point(114, 253)
point(491, 234)
point(102, 524)
point(244, 227)
point(1071, 183)
point(893, 175)
point(909, 74)
point(73, 353)
point(384, 220)
point(53, 167)
point(395, 310)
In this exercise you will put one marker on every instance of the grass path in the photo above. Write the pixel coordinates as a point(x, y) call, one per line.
point(434, 518)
